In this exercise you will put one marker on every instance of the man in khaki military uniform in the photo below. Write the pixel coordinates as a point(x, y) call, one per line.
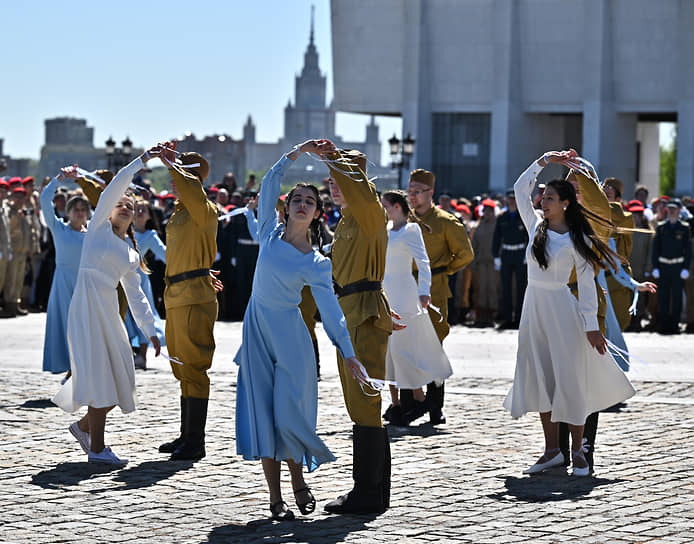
point(190, 297)
point(620, 295)
point(359, 261)
point(5, 243)
point(449, 250)
point(20, 246)
point(486, 278)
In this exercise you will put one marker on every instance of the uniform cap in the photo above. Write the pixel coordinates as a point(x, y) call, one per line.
point(4, 185)
point(489, 203)
point(192, 158)
point(28, 179)
point(423, 176)
point(15, 180)
point(19, 191)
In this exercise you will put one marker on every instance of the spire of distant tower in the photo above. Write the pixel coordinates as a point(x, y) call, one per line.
point(313, 9)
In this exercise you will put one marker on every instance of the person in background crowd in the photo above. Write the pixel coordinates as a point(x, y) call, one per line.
point(671, 260)
point(21, 236)
point(464, 281)
point(485, 276)
point(640, 259)
point(508, 248)
point(5, 242)
point(60, 202)
point(641, 194)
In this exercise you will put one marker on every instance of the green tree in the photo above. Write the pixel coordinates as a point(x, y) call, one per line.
point(668, 165)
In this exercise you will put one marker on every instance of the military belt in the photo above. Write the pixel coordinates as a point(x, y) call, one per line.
point(356, 287)
point(513, 247)
point(438, 270)
point(678, 260)
point(200, 272)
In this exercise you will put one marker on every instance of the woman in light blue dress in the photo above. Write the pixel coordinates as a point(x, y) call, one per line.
point(277, 393)
point(67, 238)
point(147, 239)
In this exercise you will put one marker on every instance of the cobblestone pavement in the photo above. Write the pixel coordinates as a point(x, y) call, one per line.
point(461, 482)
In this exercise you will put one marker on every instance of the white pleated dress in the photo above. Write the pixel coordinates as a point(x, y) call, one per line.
point(101, 359)
point(415, 356)
point(557, 369)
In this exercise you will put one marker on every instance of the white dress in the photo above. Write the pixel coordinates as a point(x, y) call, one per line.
point(415, 356)
point(557, 369)
point(101, 359)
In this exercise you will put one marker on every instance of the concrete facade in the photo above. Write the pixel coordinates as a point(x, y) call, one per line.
point(549, 74)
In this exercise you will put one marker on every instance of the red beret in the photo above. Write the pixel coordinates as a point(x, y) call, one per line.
point(4, 184)
point(463, 208)
point(28, 179)
point(638, 207)
point(169, 196)
point(213, 190)
point(15, 180)
point(489, 202)
point(19, 190)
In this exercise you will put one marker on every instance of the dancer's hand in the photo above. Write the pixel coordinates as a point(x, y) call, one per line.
point(647, 287)
point(252, 203)
point(424, 301)
point(156, 344)
point(167, 151)
point(216, 282)
point(597, 340)
point(70, 172)
point(397, 326)
point(557, 157)
point(355, 368)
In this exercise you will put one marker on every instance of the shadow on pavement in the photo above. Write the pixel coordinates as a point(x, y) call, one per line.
point(37, 404)
point(548, 487)
point(425, 430)
point(146, 474)
point(68, 474)
point(327, 530)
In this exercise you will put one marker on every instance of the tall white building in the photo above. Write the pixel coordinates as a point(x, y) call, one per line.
point(485, 86)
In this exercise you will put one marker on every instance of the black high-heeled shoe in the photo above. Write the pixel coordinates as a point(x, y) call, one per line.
point(281, 512)
point(306, 507)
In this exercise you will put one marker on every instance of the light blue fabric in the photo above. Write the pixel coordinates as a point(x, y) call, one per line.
point(613, 332)
point(68, 250)
point(252, 224)
point(147, 241)
point(277, 392)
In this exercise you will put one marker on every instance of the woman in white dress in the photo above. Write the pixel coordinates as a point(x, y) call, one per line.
point(101, 360)
point(415, 356)
point(563, 369)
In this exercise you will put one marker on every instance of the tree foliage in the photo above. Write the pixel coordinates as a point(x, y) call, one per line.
point(668, 165)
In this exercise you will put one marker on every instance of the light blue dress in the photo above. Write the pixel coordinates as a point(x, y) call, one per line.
point(277, 392)
point(68, 250)
point(147, 241)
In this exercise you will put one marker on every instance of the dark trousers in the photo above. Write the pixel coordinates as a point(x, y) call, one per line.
point(670, 287)
point(512, 265)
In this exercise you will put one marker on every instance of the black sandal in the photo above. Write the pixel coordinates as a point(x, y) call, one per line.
point(279, 513)
point(306, 507)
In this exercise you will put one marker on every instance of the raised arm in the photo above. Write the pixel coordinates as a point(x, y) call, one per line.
point(267, 199)
point(46, 202)
point(523, 190)
point(252, 223)
point(114, 191)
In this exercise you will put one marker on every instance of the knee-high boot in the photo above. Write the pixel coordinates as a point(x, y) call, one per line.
point(169, 447)
point(435, 399)
point(589, 431)
point(193, 446)
point(369, 495)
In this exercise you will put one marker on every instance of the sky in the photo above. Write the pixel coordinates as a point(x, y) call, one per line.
point(155, 70)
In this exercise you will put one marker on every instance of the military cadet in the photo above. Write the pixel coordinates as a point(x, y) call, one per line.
point(20, 247)
point(620, 295)
point(359, 260)
point(640, 258)
point(671, 258)
point(190, 297)
point(5, 243)
point(510, 241)
point(485, 277)
point(449, 250)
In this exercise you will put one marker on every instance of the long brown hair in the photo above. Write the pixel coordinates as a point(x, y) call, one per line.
point(400, 198)
point(579, 229)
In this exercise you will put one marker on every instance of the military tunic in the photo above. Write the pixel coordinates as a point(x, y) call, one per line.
point(359, 253)
point(5, 243)
point(191, 304)
point(620, 295)
point(20, 243)
point(483, 265)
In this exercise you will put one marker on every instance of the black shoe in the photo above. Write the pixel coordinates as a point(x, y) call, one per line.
point(397, 417)
point(388, 413)
point(281, 512)
point(504, 325)
point(418, 410)
point(193, 446)
point(170, 447)
point(371, 473)
point(437, 418)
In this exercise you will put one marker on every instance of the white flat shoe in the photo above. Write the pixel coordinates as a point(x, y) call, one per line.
point(82, 437)
point(580, 471)
point(106, 457)
point(555, 461)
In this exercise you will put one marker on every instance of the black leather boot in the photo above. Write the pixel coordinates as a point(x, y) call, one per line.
point(193, 446)
point(564, 443)
point(589, 431)
point(435, 399)
point(169, 447)
point(370, 449)
point(406, 400)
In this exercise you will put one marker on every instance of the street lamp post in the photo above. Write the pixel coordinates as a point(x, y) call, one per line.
point(401, 152)
point(117, 158)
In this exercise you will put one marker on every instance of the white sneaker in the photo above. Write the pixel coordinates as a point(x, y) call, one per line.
point(107, 457)
point(557, 460)
point(82, 437)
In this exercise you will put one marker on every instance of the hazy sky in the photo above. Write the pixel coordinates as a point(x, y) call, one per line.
point(154, 70)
